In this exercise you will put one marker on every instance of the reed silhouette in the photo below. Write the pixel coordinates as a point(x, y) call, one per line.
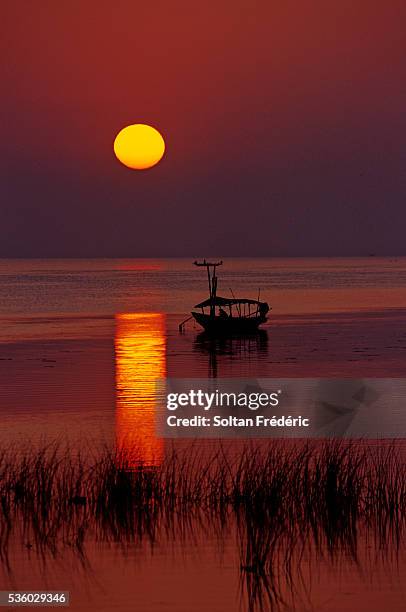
point(285, 498)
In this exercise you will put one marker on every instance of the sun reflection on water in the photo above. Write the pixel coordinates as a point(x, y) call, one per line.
point(140, 362)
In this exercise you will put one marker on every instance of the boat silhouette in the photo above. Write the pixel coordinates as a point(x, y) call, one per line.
point(220, 315)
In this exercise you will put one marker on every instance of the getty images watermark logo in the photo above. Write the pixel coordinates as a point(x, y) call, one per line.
point(197, 398)
point(230, 410)
point(307, 407)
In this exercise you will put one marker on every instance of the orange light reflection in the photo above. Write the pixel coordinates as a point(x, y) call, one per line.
point(140, 362)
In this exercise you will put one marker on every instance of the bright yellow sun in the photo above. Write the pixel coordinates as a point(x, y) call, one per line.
point(139, 146)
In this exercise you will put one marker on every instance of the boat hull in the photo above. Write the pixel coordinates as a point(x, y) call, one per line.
point(228, 325)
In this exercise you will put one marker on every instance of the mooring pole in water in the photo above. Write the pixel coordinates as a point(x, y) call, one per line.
point(182, 325)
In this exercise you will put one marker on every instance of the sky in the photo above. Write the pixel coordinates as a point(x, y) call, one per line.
point(284, 122)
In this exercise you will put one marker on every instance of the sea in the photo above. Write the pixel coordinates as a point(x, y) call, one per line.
point(82, 344)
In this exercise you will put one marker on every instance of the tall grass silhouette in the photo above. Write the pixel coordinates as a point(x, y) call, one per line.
point(284, 498)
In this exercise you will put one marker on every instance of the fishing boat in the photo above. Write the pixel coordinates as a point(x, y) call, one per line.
point(223, 315)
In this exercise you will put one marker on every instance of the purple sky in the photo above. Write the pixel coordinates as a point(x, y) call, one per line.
point(285, 125)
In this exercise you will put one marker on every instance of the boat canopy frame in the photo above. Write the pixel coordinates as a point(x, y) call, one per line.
point(222, 301)
point(240, 304)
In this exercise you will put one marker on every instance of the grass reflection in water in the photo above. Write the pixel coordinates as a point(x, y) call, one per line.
point(284, 502)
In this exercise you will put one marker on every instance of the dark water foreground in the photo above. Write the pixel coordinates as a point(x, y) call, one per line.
point(276, 512)
point(281, 527)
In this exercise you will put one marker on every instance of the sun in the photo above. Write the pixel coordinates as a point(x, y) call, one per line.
point(139, 146)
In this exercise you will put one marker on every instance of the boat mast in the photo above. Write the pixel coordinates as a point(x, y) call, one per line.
point(212, 280)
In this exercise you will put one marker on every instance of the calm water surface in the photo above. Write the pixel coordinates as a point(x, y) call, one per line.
point(82, 345)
